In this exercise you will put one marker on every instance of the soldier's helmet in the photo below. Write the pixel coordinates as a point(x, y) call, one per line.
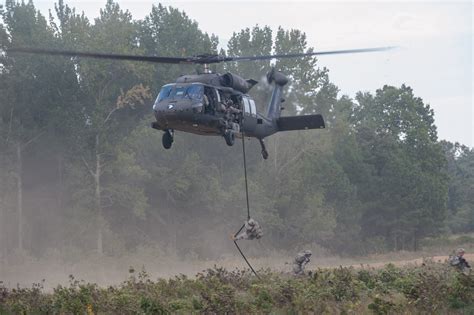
point(460, 251)
point(252, 222)
point(307, 253)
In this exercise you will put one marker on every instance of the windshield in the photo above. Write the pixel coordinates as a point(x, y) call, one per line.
point(164, 93)
point(193, 91)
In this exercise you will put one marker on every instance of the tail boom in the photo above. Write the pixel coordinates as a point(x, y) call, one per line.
point(300, 122)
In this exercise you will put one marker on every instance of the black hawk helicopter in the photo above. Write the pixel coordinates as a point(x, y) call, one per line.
point(214, 104)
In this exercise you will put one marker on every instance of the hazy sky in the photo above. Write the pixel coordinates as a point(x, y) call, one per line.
point(435, 41)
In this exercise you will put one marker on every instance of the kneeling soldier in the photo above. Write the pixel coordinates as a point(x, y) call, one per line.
point(300, 262)
point(459, 261)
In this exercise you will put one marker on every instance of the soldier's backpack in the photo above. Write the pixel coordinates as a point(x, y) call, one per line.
point(453, 260)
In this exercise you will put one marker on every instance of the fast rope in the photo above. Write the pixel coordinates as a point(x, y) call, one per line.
point(245, 174)
point(248, 207)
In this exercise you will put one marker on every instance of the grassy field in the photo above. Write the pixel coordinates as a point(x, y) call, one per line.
point(390, 283)
point(428, 288)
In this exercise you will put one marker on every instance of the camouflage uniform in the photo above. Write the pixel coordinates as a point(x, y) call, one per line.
point(205, 101)
point(300, 262)
point(251, 230)
point(221, 108)
point(457, 260)
point(231, 115)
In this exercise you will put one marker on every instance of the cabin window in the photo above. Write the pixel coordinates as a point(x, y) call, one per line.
point(246, 105)
point(194, 92)
point(253, 108)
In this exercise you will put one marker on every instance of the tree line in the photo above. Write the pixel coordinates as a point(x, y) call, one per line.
point(82, 171)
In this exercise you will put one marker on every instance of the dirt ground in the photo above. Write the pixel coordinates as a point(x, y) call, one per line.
point(415, 261)
point(112, 271)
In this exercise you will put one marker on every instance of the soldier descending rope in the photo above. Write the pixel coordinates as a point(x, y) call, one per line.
point(250, 231)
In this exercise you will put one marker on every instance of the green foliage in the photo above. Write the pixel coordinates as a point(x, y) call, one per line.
point(401, 181)
point(381, 307)
point(432, 288)
point(460, 168)
point(167, 31)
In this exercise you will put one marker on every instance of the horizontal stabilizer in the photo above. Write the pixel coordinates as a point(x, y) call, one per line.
point(300, 122)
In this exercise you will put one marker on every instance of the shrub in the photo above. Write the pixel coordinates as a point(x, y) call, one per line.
point(431, 288)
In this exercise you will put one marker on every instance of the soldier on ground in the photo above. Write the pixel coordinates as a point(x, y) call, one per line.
point(300, 262)
point(250, 231)
point(457, 260)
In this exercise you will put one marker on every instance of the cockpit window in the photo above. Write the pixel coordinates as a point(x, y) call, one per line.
point(164, 93)
point(194, 91)
point(178, 92)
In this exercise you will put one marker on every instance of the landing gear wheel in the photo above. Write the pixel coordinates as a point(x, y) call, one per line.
point(167, 139)
point(229, 138)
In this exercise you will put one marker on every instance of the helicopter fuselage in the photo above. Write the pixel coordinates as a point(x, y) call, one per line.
point(182, 107)
point(218, 105)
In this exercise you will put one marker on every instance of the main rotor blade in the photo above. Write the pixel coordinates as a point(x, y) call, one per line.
point(70, 53)
point(330, 52)
point(201, 59)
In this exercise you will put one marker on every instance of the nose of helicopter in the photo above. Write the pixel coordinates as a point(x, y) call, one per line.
point(171, 112)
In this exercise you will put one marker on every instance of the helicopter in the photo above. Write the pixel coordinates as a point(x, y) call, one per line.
point(215, 104)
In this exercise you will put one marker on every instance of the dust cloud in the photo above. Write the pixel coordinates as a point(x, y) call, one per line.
point(23, 271)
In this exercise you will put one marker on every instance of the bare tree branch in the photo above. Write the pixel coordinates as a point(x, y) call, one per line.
point(297, 156)
point(109, 203)
point(10, 124)
point(102, 92)
point(87, 166)
point(24, 145)
point(110, 114)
